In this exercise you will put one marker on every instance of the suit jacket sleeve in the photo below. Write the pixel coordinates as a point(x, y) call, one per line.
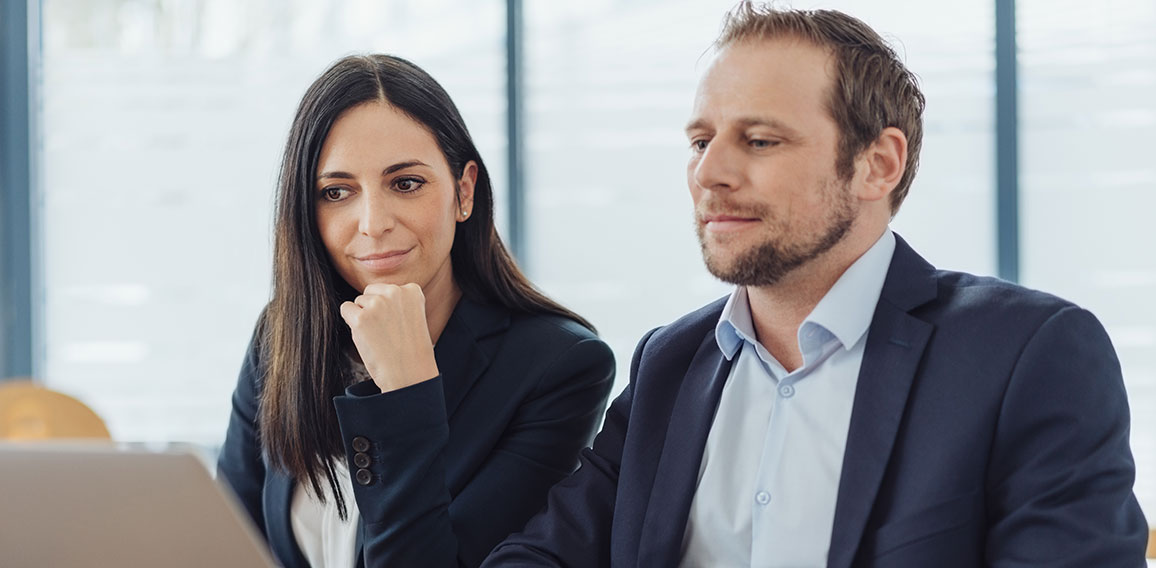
point(575, 527)
point(1061, 471)
point(408, 516)
point(240, 463)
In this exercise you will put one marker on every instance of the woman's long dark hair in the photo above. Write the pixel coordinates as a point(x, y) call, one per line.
point(302, 334)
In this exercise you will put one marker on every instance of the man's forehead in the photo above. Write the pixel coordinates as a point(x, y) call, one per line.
point(763, 81)
point(755, 58)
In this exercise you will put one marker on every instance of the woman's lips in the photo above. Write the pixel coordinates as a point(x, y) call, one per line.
point(383, 262)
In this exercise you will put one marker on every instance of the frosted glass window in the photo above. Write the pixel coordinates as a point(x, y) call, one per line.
point(1088, 182)
point(163, 124)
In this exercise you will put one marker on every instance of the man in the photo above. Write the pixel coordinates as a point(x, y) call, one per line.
point(848, 404)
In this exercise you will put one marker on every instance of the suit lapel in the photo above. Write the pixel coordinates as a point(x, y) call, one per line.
point(895, 344)
point(674, 484)
point(462, 351)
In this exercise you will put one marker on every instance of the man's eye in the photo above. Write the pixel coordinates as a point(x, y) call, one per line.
point(762, 143)
point(698, 145)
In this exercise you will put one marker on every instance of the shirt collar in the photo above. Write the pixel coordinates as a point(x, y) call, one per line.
point(847, 308)
point(845, 311)
point(735, 325)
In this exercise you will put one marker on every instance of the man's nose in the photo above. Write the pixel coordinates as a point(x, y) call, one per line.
point(718, 167)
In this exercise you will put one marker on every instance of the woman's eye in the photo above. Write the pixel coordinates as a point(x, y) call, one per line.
point(406, 185)
point(333, 193)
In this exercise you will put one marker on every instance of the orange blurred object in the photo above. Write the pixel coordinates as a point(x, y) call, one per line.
point(29, 412)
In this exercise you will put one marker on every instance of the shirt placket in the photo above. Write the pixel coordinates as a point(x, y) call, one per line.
point(768, 483)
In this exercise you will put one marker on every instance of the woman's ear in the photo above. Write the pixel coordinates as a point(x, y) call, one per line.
point(883, 162)
point(466, 190)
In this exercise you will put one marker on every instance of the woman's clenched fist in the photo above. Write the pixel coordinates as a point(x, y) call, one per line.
point(391, 335)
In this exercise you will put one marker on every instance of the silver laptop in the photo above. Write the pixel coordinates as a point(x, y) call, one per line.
point(71, 506)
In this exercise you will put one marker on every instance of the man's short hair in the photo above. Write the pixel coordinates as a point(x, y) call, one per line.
point(872, 88)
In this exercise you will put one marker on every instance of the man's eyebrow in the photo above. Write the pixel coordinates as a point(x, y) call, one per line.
point(771, 123)
point(696, 124)
point(391, 169)
point(747, 122)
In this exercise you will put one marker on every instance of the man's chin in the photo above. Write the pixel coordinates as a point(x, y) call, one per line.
point(726, 251)
point(726, 270)
point(764, 266)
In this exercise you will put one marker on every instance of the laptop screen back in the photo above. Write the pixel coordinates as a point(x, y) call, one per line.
point(78, 506)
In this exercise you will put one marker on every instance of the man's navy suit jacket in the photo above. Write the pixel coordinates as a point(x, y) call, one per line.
point(990, 428)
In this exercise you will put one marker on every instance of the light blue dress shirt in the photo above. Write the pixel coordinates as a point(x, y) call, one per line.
point(770, 471)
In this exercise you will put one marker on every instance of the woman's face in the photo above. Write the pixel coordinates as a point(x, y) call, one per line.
point(386, 201)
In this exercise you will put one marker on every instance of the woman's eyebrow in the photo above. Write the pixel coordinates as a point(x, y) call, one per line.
point(403, 165)
point(391, 169)
point(334, 175)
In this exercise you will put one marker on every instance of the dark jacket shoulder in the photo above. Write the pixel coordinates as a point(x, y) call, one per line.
point(687, 330)
point(982, 303)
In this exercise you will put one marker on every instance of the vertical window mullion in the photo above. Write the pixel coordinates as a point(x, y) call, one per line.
point(18, 21)
point(1007, 141)
point(515, 153)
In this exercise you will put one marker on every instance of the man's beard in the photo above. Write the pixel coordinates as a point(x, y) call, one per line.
point(766, 263)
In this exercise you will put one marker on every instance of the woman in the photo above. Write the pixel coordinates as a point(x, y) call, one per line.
point(408, 396)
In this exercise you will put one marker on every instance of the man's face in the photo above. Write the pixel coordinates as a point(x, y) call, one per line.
point(762, 166)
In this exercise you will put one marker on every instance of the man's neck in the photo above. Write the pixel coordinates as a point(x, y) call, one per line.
point(778, 310)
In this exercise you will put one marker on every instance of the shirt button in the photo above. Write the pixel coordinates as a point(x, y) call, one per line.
point(364, 477)
point(762, 497)
point(360, 444)
point(787, 391)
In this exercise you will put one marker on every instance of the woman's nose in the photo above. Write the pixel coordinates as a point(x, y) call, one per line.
point(376, 217)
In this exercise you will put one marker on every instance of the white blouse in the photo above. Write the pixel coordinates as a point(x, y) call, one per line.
point(325, 539)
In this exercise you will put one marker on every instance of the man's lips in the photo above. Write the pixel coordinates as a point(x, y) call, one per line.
point(382, 261)
point(727, 223)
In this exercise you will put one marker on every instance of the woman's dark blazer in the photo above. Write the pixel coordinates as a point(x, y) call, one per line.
point(456, 463)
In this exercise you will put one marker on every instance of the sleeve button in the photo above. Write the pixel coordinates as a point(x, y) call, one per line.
point(360, 444)
point(361, 460)
point(364, 477)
